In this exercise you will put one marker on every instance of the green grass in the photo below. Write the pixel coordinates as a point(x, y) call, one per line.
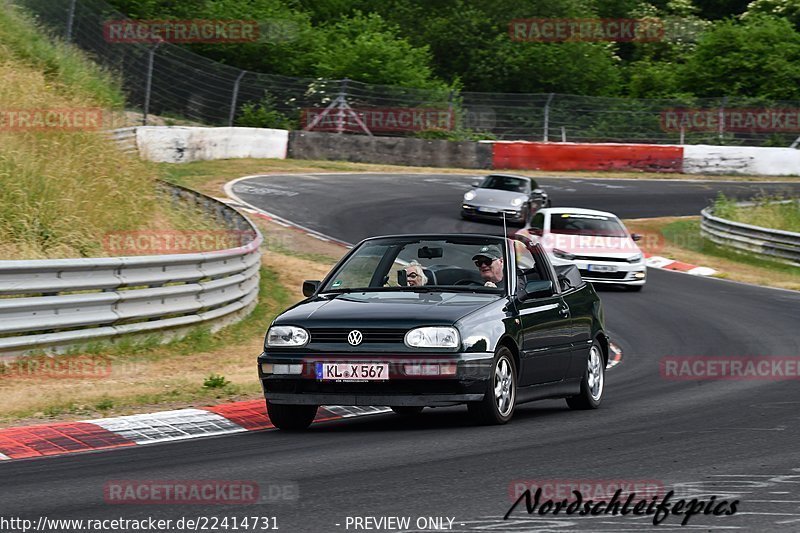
point(768, 212)
point(686, 234)
point(60, 63)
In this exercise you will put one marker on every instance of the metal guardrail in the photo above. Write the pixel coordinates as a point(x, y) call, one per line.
point(778, 245)
point(50, 304)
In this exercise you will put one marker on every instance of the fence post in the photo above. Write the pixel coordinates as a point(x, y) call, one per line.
point(683, 132)
point(149, 83)
point(563, 134)
point(721, 118)
point(547, 115)
point(342, 105)
point(70, 19)
point(235, 96)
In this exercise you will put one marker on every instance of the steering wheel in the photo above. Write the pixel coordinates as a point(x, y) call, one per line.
point(467, 281)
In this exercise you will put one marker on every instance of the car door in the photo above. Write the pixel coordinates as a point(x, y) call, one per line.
point(545, 347)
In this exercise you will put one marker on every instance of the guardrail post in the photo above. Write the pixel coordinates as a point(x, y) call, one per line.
point(235, 96)
point(149, 82)
point(547, 116)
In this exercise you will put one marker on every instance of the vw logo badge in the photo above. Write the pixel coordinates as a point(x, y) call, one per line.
point(355, 337)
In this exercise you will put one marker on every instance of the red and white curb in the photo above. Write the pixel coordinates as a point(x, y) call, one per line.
point(656, 261)
point(135, 430)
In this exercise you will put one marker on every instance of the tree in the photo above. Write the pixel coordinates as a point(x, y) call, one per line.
point(757, 58)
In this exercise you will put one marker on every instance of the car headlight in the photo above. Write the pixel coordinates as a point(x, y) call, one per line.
point(469, 196)
point(516, 202)
point(286, 336)
point(561, 254)
point(635, 258)
point(432, 337)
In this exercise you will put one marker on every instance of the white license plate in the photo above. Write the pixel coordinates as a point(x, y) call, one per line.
point(488, 210)
point(352, 371)
point(602, 268)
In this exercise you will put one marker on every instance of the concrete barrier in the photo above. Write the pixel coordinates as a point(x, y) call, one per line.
point(180, 144)
point(746, 160)
point(389, 150)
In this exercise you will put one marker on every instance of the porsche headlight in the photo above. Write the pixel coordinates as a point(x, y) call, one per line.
point(469, 196)
point(432, 337)
point(516, 202)
point(286, 336)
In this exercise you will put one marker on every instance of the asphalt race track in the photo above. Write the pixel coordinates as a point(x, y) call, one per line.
point(730, 439)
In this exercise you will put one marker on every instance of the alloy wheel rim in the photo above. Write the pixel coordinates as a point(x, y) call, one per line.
point(596, 375)
point(504, 386)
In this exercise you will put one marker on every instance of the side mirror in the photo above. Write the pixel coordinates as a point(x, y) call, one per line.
point(537, 289)
point(476, 183)
point(569, 277)
point(310, 287)
point(636, 237)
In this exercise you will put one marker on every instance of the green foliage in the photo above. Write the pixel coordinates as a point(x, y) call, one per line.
point(710, 48)
point(264, 115)
point(215, 381)
point(760, 57)
point(453, 135)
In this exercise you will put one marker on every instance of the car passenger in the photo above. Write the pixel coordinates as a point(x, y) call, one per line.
point(415, 276)
point(489, 261)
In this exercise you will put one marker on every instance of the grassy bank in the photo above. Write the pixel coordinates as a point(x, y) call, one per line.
point(63, 188)
point(775, 213)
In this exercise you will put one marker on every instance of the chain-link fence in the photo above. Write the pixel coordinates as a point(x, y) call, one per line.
point(168, 80)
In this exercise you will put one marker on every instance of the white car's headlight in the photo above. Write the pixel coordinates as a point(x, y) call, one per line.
point(516, 202)
point(469, 196)
point(635, 258)
point(286, 336)
point(433, 337)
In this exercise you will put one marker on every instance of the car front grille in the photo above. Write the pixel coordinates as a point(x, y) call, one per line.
point(598, 258)
point(587, 274)
point(370, 335)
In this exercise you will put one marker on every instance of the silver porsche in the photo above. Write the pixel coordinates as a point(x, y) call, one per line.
point(518, 197)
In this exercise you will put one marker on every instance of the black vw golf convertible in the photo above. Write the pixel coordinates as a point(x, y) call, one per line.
point(415, 321)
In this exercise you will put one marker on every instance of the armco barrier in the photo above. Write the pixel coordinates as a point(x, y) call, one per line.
point(774, 244)
point(180, 144)
point(52, 304)
point(571, 156)
point(389, 150)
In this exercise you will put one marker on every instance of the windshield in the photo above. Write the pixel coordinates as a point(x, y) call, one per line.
point(423, 264)
point(587, 224)
point(506, 183)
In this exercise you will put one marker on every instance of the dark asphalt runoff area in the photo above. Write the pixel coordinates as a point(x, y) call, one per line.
point(734, 440)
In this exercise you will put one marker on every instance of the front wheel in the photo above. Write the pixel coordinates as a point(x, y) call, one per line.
point(592, 383)
point(291, 417)
point(497, 406)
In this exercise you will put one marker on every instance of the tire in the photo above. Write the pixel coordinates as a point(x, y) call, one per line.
point(291, 417)
point(407, 410)
point(497, 406)
point(593, 381)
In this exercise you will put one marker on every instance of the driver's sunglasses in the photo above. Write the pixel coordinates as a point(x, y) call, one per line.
point(412, 275)
point(481, 262)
